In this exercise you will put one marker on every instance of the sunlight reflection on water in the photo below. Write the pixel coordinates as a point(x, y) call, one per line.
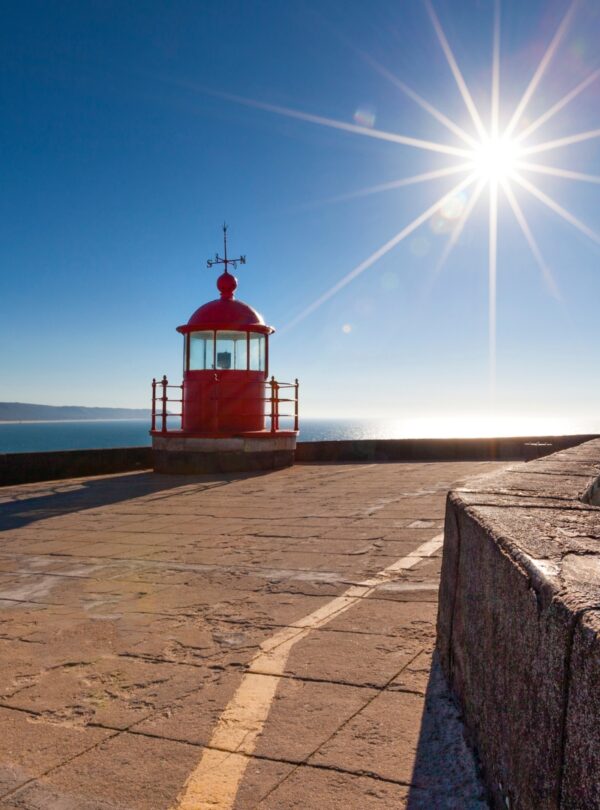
point(467, 426)
point(40, 436)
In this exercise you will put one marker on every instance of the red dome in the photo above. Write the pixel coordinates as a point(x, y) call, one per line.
point(226, 312)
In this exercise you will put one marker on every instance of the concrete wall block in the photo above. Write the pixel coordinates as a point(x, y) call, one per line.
point(23, 468)
point(448, 582)
point(269, 443)
point(581, 782)
point(519, 629)
point(509, 449)
point(507, 668)
point(178, 444)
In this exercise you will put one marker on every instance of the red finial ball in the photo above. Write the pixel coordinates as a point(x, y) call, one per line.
point(226, 284)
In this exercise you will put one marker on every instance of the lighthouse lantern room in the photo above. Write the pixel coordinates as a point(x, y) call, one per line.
point(233, 417)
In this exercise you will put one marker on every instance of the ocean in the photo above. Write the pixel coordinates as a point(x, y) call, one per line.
point(31, 437)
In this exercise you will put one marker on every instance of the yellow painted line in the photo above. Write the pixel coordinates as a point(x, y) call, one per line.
point(214, 783)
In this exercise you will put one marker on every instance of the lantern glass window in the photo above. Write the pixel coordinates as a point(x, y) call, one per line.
point(232, 351)
point(257, 352)
point(202, 350)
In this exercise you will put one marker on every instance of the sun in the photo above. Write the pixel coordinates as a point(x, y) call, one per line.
point(487, 155)
point(496, 159)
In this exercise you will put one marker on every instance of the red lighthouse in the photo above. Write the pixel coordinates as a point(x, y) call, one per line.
point(232, 416)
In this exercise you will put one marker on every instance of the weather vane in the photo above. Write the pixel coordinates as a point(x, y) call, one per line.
point(223, 259)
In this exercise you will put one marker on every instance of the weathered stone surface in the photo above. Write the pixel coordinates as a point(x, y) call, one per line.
point(370, 745)
point(132, 608)
point(331, 790)
point(192, 717)
point(405, 619)
point(262, 779)
point(520, 584)
point(581, 785)
point(415, 676)
point(124, 772)
point(111, 692)
point(422, 747)
point(352, 658)
point(305, 714)
point(29, 747)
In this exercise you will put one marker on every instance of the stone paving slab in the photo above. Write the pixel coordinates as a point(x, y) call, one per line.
point(125, 771)
point(134, 607)
point(29, 746)
point(354, 658)
point(335, 791)
point(380, 741)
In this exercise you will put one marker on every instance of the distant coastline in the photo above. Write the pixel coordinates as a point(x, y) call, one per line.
point(67, 421)
point(28, 412)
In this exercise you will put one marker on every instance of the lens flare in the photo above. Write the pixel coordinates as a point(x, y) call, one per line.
point(365, 116)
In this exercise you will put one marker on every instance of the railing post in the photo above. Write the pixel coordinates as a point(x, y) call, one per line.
point(164, 383)
point(182, 402)
point(153, 403)
point(296, 385)
point(272, 383)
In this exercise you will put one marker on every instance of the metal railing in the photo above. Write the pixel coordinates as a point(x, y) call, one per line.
point(274, 412)
point(163, 399)
point(275, 399)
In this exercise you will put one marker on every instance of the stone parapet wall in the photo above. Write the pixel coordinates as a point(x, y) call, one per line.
point(21, 468)
point(500, 449)
point(519, 627)
point(25, 468)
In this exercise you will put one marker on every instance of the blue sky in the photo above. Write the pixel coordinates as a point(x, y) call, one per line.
point(122, 156)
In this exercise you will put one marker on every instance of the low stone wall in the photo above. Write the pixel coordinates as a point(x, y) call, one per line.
point(519, 627)
point(24, 468)
point(504, 449)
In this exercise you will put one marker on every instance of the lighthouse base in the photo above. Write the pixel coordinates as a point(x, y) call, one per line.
point(182, 454)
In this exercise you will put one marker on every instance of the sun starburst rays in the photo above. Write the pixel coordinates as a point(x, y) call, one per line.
point(458, 77)
point(380, 252)
point(557, 208)
point(495, 157)
point(451, 125)
point(555, 108)
point(557, 171)
point(495, 95)
point(334, 123)
point(541, 69)
point(416, 179)
point(537, 254)
point(456, 232)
